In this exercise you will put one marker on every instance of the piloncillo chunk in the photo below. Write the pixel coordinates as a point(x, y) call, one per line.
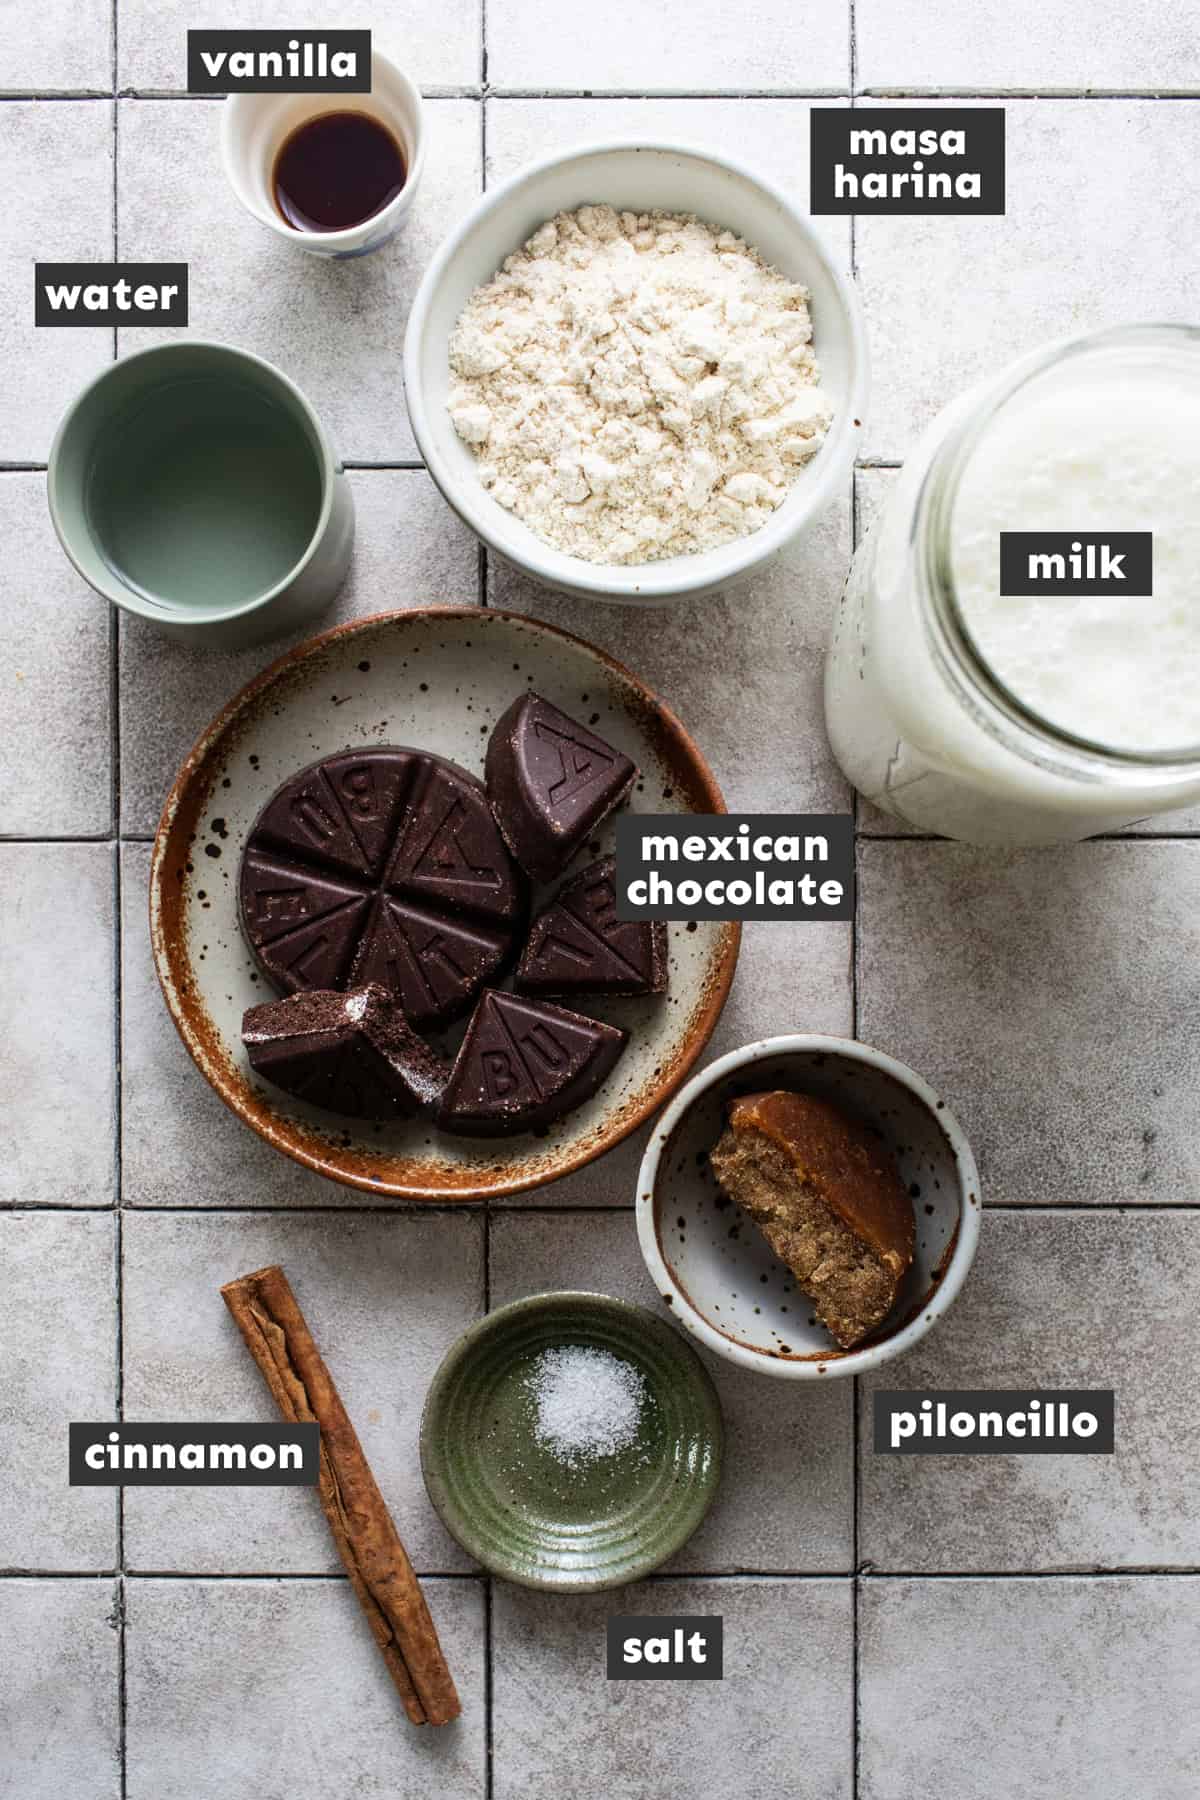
point(825, 1194)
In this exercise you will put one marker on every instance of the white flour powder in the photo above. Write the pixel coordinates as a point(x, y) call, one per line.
point(637, 386)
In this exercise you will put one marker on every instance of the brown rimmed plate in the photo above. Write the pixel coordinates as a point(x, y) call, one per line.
point(438, 678)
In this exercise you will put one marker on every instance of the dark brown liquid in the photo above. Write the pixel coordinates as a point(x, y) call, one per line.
point(337, 170)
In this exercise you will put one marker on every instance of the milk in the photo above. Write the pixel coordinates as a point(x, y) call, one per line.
point(1104, 438)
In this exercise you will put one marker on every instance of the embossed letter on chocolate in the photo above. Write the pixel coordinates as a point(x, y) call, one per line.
point(579, 946)
point(352, 1053)
point(523, 1063)
point(551, 782)
point(381, 865)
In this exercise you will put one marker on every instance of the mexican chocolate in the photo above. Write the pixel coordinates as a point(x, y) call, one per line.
point(352, 1053)
point(523, 1063)
point(382, 865)
point(551, 782)
point(579, 946)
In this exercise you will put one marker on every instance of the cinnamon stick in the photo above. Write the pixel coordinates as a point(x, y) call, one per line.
point(268, 1316)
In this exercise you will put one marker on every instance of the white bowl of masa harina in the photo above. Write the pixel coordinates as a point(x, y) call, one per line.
point(636, 372)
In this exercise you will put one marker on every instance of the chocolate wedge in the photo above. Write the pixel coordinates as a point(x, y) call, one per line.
point(551, 782)
point(579, 946)
point(523, 1064)
point(382, 865)
point(352, 1053)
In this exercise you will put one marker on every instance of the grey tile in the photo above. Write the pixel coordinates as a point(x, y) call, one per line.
point(781, 1715)
point(787, 1495)
point(63, 46)
point(58, 1347)
point(1027, 44)
point(56, 1024)
point(769, 135)
point(181, 1145)
point(1051, 997)
point(669, 47)
point(742, 669)
point(276, 1689)
point(435, 46)
point(1054, 1690)
point(1067, 1300)
point(56, 170)
point(951, 300)
point(409, 550)
point(56, 750)
point(335, 328)
point(872, 487)
point(385, 1298)
point(59, 1691)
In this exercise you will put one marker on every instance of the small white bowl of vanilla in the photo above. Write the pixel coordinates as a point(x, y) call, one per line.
point(635, 371)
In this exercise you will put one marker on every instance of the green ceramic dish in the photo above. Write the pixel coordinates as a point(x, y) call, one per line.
point(513, 1503)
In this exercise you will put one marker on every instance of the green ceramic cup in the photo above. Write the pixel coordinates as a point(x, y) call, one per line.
point(517, 1506)
point(193, 484)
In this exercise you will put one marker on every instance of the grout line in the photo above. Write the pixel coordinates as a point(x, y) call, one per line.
point(1142, 1572)
point(1029, 93)
point(414, 1209)
point(329, 1576)
point(474, 91)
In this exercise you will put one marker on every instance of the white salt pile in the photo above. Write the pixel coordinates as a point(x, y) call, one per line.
point(589, 1402)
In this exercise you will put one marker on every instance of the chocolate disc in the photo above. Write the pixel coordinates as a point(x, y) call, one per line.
point(524, 1063)
point(579, 946)
point(352, 1053)
point(551, 782)
point(381, 865)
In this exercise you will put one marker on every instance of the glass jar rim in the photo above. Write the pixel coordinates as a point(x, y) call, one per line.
point(995, 705)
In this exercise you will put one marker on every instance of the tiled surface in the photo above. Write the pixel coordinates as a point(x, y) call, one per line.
point(57, 1051)
point(674, 47)
point(960, 45)
point(53, 666)
point(60, 1363)
point(439, 46)
point(776, 1724)
point(1050, 997)
point(949, 301)
point(276, 1690)
point(59, 47)
point(1051, 1690)
point(1061, 1300)
point(385, 1297)
point(337, 328)
point(59, 1690)
point(56, 172)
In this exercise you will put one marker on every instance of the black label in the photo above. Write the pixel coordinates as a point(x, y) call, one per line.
point(995, 1422)
point(110, 293)
point(118, 1454)
point(1076, 562)
point(735, 866)
point(907, 159)
point(685, 1647)
point(279, 62)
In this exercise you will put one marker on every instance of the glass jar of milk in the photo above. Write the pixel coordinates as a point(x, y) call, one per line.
point(1005, 719)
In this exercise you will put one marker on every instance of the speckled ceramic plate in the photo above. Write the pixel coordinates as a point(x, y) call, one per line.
point(437, 678)
point(514, 1503)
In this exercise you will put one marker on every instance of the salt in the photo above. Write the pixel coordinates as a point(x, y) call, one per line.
point(589, 1402)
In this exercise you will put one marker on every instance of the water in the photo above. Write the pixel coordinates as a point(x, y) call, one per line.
point(206, 493)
